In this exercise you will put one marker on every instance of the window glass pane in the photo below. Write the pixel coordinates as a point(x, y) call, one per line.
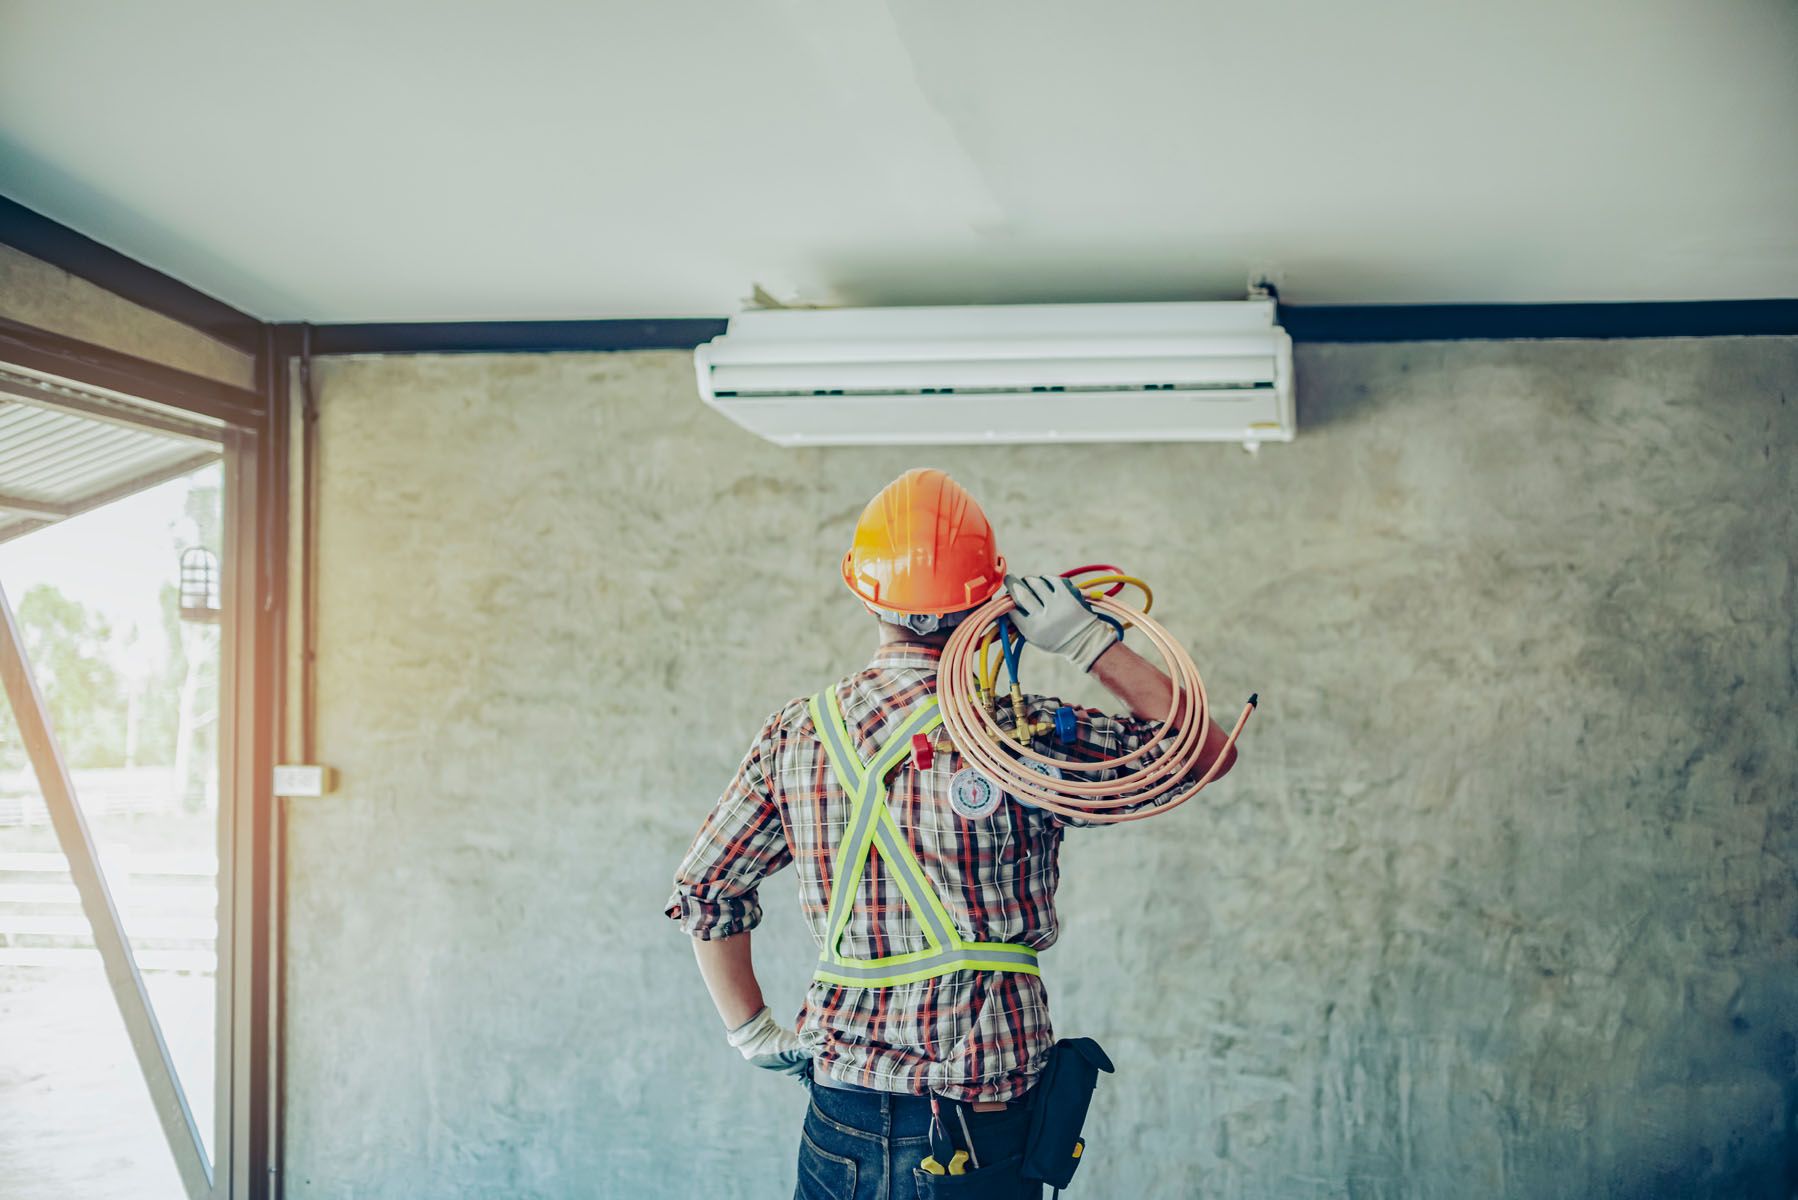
point(118, 609)
point(75, 1117)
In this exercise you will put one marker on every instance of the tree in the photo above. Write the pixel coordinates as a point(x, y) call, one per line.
point(173, 718)
point(83, 690)
point(193, 664)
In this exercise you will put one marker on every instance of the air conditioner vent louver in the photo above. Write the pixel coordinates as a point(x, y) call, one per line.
point(1076, 372)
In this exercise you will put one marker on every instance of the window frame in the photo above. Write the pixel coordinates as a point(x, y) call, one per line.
point(253, 437)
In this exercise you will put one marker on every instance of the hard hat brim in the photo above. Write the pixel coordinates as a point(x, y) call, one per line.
point(976, 595)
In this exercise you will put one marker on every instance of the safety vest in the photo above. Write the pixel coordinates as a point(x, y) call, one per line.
point(871, 826)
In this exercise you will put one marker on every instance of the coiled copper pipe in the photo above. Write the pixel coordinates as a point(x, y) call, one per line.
point(1182, 733)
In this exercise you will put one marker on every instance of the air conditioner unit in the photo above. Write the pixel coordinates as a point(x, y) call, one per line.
point(1201, 372)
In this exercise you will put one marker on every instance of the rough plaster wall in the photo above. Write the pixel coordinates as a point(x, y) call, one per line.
point(48, 297)
point(1499, 902)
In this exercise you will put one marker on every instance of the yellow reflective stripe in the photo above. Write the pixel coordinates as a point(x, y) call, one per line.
point(995, 951)
point(930, 971)
point(925, 717)
point(916, 891)
point(839, 747)
point(871, 827)
point(852, 854)
point(892, 960)
point(939, 930)
point(994, 956)
point(851, 851)
point(913, 884)
point(839, 923)
point(858, 837)
point(849, 766)
point(894, 846)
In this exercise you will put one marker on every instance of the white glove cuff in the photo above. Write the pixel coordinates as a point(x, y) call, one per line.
point(754, 1028)
point(1084, 650)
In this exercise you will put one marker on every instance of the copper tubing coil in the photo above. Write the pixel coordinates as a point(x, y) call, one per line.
point(988, 747)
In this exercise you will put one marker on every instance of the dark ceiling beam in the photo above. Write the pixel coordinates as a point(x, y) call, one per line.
point(1529, 322)
point(49, 241)
point(506, 337)
point(1306, 323)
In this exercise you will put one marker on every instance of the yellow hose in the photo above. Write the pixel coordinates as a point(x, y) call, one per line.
point(987, 672)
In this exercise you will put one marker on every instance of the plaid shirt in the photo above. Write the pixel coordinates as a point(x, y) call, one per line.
point(970, 1035)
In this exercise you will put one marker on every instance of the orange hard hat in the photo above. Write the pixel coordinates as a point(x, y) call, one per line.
point(923, 546)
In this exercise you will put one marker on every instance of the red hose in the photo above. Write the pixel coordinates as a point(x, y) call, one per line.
point(1093, 568)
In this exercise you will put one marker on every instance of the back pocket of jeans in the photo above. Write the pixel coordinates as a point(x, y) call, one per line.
point(997, 1182)
point(823, 1175)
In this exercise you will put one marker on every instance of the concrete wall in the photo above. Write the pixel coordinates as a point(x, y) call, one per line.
point(1499, 902)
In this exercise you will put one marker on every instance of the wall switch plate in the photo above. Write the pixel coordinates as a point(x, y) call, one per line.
point(303, 779)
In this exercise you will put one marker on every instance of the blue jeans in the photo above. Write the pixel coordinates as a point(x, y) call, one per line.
point(868, 1146)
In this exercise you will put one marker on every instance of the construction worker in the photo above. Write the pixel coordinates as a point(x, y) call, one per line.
point(901, 1045)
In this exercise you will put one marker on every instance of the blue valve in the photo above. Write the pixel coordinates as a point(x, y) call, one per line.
point(1067, 723)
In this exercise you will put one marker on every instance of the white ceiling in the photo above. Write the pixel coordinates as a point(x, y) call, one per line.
point(346, 160)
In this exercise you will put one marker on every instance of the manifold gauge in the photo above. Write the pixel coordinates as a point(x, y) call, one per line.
point(972, 795)
point(1047, 769)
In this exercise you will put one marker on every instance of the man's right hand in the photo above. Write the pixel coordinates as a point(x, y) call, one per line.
point(1053, 615)
point(769, 1045)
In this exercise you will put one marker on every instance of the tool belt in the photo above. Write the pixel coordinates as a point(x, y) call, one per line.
point(1064, 1091)
point(1055, 1110)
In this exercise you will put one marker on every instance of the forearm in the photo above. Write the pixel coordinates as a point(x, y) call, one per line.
point(730, 977)
point(1143, 687)
point(1148, 692)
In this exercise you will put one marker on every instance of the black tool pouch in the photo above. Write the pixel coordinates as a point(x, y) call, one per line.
point(1058, 1111)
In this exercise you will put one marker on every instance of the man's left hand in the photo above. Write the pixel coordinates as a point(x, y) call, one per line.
point(770, 1045)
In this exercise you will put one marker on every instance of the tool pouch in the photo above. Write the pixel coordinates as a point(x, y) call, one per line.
point(1057, 1114)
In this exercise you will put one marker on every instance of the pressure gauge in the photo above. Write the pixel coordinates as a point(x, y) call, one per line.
point(972, 795)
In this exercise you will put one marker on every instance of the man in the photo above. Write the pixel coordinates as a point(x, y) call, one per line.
point(894, 1027)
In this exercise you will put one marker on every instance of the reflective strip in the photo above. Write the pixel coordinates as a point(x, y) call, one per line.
point(908, 968)
point(839, 747)
point(858, 838)
point(871, 825)
point(852, 853)
point(923, 719)
point(938, 927)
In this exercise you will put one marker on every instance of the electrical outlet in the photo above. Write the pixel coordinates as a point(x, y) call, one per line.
point(304, 779)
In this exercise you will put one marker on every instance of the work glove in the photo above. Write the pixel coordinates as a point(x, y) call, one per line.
point(770, 1045)
point(1053, 615)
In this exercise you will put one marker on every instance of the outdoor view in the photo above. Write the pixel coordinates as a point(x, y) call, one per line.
point(128, 662)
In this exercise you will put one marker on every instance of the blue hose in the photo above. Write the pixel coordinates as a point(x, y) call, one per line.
point(1012, 650)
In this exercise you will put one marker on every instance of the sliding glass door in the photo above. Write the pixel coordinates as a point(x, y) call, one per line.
point(129, 810)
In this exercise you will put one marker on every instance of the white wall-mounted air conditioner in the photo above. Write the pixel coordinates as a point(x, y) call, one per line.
point(1202, 372)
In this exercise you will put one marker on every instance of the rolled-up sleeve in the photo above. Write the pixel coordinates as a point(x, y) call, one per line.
point(741, 843)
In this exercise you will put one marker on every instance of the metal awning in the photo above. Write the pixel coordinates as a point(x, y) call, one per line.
point(66, 448)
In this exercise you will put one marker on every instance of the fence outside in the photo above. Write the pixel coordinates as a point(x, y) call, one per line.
point(104, 792)
point(168, 903)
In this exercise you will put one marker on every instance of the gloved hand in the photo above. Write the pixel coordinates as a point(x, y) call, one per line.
point(1052, 615)
point(770, 1045)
